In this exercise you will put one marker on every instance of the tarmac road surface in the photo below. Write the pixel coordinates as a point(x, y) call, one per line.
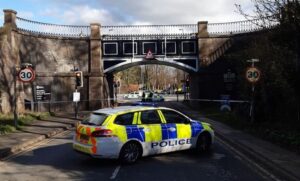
point(54, 159)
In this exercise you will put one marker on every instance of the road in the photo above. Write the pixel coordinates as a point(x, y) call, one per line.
point(54, 159)
point(167, 97)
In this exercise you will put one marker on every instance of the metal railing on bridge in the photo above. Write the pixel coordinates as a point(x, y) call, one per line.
point(184, 29)
point(153, 31)
point(239, 27)
point(47, 29)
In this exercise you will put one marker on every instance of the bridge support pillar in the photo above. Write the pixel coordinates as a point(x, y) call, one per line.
point(194, 86)
point(206, 85)
point(98, 86)
point(203, 38)
point(213, 82)
point(98, 92)
point(10, 60)
point(210, 49)
point(110, 81)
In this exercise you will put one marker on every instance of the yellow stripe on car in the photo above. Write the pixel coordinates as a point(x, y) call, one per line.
point(118, 130)
point(183, 131)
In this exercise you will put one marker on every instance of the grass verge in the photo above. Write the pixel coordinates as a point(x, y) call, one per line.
point(7, 121)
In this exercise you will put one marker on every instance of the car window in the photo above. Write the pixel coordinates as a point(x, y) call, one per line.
point(94, 119)
point(150, 117)
point(174, 117)
point(124, 119)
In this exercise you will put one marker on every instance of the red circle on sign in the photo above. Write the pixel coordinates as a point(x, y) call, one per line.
point(253, 74)
point(26, 75)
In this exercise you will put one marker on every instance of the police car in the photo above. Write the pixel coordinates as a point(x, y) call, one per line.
point(131, 95)
point(130, 132)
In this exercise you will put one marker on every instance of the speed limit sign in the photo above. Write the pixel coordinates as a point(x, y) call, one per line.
point(252, 74)
point(26, 75)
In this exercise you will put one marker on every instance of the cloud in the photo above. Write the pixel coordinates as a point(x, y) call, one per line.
point(123, 12)
point(141, 23)
point(86, 15)
point(1, 18)
point(26, 14)
point(52, 12)
point(175, 11)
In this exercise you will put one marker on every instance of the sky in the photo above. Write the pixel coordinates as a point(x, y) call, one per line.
point(126, 12)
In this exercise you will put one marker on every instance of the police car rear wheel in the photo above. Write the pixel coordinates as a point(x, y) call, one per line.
point(203, 143)
point(130, 153)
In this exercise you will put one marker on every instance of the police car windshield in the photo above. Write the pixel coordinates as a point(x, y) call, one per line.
point(95, 119)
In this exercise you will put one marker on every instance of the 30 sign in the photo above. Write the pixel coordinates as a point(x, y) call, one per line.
point(26, 75)
point(253, 74)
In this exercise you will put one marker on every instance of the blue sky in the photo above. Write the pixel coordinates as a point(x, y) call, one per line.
point(120, 12)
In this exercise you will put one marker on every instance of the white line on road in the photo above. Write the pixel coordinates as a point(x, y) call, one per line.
point(252, 164)
point(115, 173)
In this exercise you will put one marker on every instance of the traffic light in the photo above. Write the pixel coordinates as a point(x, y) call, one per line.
point(79, 79)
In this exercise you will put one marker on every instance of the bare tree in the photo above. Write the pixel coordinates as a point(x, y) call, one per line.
point(282, 41)
point(287, 11)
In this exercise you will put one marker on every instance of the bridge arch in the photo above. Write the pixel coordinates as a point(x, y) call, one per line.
point(141, 61)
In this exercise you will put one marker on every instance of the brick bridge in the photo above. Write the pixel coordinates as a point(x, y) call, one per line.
point(56, 50)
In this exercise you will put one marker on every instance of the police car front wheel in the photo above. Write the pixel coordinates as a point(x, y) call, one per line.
point(203, 142)
point(130, 153)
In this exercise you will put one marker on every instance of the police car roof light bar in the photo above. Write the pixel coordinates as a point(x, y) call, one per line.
point(144, 104)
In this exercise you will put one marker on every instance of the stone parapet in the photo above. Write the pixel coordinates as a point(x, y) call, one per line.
point(202, 29)
point(95, 31)
point(10, 18)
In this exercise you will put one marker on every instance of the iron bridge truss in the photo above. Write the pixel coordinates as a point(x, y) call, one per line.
point(124, 51)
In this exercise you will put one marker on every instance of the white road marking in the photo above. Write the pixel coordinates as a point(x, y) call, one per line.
point(251, 164)
point(115, 173)
point(218, 156)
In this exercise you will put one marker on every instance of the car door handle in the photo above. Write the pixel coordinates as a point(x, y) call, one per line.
point(172, 129)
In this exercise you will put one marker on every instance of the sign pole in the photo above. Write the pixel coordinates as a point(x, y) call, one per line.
point(76, 106)
point(252, 104)
point(76, 99)
point(49, 105)
point(15, 98)
point(253, 76)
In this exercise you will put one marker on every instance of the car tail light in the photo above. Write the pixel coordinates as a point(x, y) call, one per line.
point(102, 133)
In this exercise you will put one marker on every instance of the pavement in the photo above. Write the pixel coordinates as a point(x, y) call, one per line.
point(35, 132)
point(282, 163)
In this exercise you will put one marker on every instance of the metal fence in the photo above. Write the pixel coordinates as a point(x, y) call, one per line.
point(239, 27)
point(214, 29)
point(47, 29)
point(150, 30)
